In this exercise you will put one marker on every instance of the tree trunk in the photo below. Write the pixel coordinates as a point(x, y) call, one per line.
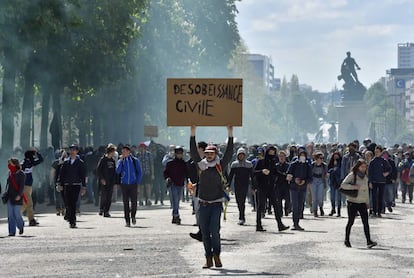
point(56, 124)
point(27, 107)
point(138, 119)
point(9, 101)
point(45, 118)
point(98, 139)
point(82, 135)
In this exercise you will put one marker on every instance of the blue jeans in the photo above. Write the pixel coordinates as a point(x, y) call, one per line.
point(15, 218)
point(389, 195)
point(297, 198)
point(318, 190)
point(210, 216)
point(60, 204)
point(176, 192)
point(336, 197)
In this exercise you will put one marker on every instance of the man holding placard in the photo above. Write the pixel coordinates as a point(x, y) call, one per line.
point(211, 195)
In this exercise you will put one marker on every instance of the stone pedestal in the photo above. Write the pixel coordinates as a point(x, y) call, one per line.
point(352, 121)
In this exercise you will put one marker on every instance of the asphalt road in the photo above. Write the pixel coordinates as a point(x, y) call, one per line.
point(103, 247)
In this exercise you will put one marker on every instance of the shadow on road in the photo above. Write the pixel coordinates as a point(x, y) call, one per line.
point(241, 272)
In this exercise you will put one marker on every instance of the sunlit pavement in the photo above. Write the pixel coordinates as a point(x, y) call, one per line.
point(103, 247)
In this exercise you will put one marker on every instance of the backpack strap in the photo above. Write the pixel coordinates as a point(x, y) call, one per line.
point(135, 165)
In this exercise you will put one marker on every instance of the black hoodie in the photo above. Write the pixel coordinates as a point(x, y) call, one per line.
point(262, 181)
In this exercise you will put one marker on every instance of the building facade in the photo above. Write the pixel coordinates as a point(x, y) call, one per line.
point(264, 70)
point(400, 82)
point(405, 55)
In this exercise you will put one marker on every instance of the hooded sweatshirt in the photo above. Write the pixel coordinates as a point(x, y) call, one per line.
point(266, 181)
point(300, 170)
point(241, 170)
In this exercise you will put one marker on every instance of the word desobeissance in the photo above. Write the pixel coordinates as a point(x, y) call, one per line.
point(204, 107)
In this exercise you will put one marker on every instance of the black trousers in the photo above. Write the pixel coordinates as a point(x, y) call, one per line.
point(241, 194)
point(262, 195)
point(106, 197)
point(129, 193)
point(96, 189)
point(283, 193)
point(353, 209)
point(71, 195)
point(378, 197)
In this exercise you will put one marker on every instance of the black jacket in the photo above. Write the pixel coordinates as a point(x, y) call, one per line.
point(210, 185)
point(393, 173)
point(12, 193)
point(176, 170)
point(281, 174)
point(106, 170)
point(262, 181)
point(301, 171)
point(73, 174)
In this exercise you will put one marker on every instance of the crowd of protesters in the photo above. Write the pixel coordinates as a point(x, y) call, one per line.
point(287, 178)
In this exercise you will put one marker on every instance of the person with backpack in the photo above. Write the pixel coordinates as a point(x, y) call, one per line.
point(130, 172)
point(211, 194)
point(357, 180)
point(106, 173)
point(193, 173)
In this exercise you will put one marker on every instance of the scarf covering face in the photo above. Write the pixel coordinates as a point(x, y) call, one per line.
point(204, 164)
point(12, 168)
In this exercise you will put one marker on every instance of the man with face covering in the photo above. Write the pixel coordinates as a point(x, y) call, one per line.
point(242, 171)
point(211, 195)
point(265, 173)
point(299, 174)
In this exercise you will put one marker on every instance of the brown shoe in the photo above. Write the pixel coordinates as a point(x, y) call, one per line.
point(209, 262)
point(217, 261)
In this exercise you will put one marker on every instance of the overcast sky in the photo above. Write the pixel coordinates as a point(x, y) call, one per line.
point(310, 37)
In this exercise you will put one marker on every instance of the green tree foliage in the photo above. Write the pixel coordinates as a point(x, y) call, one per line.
point(387, 123)
point(299, 115)
point(107, 61)
point(216, 29)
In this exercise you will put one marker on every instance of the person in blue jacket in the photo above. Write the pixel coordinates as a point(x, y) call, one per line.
point(130, 173)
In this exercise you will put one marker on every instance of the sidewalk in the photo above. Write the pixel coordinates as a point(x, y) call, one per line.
point(103, 247)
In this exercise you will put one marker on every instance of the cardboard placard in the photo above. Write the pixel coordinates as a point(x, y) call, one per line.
point(204, 102)
point(150, 131)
